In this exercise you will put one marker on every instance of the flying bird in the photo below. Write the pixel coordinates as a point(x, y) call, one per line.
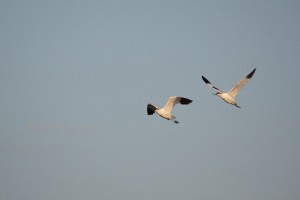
point(165, 112)
point(228, 97)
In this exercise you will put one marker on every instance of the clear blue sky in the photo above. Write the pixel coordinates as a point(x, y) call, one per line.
point(76, 76)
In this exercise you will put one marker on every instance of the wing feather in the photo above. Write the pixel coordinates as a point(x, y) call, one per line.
point(234, 91)
point(172, 101)
point(210, 85)
point(151, 109)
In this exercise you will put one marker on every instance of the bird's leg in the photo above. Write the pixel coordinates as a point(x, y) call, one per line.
point(237, 105)
point(173, 120)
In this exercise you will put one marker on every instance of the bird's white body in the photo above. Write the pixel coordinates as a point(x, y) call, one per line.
point(165, 112)
point(227, 98)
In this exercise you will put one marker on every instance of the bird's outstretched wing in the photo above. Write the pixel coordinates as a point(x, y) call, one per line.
point(172, 101)
point(151, 109)
point(234, 91)
point(210, 85)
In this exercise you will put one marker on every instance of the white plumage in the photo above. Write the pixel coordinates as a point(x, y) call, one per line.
point(165, 112)
point(229, 97)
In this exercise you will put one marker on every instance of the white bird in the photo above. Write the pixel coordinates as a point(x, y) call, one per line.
point(228, 97)
point(165, 112)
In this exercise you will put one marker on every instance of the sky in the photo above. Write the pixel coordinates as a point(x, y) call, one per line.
point(76, 77)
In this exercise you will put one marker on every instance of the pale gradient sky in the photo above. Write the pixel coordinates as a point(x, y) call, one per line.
point(76, 76)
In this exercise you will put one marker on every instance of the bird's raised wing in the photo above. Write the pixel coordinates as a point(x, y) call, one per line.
point(151, 109)
point(234, 91)
point(210, 85)
point(172, 101)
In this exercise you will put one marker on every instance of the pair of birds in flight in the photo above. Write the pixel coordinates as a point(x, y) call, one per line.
point(228, 97)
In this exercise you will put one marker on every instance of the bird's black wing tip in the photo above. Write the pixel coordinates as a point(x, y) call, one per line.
point(185, 101)
point(151, 109)
point(251, 74)
point(205, 80)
